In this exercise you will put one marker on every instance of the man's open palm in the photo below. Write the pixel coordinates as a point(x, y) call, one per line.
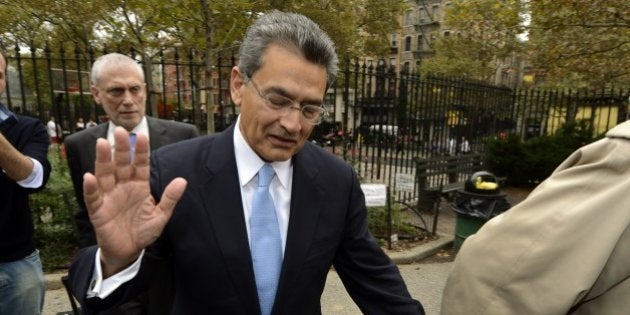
point(125, 216)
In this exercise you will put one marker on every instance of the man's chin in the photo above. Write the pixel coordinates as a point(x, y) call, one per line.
point(278, 154)
point(128, 124)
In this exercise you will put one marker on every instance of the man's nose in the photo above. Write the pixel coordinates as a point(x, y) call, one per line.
point(291, 119)
point(128, 97)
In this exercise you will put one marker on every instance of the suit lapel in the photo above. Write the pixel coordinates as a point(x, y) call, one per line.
point(156, 133)
point(89, 145)
point(222, 201)
point(306, 199)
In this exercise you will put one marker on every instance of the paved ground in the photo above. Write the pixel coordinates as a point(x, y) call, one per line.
point(424, 272)
point(425, 283)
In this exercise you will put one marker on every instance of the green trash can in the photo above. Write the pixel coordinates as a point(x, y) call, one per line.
point(465, 226)
point(480, 201)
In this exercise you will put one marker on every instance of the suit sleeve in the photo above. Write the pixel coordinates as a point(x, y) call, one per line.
point(543, 255)
point(369, 275)
point(85, 230)
point(194, 132)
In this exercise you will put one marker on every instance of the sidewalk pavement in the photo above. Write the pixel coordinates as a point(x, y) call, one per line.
point(53, 280)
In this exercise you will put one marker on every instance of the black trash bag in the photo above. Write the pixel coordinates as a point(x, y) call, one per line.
point(483, 206)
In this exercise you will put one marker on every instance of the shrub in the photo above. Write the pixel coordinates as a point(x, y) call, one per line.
point(529, 162)
point(377, 222)
point(53, 215)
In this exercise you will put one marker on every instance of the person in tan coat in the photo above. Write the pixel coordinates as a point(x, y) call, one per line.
point(563, 250)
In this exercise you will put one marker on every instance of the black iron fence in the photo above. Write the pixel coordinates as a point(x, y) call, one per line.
point(380, 119)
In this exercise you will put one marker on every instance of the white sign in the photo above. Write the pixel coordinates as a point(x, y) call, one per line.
point(375, 194)
point(405, 182)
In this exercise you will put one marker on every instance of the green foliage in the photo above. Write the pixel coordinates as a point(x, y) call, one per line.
point(530, 162)
point(377, 222)
point(483, 34)
point(53, 215)
point(580, 42)
point(357, 26)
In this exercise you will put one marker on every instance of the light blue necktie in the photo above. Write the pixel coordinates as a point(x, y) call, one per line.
point(132, 145)
point(266, 244)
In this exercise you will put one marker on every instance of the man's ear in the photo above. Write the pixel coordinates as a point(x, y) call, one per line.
point(236, 85)
point(95, 94)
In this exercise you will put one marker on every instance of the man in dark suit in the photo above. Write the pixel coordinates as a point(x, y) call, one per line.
point(204, 216)
point(118, 85)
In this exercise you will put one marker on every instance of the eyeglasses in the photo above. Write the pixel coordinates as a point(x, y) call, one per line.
point(312, 114)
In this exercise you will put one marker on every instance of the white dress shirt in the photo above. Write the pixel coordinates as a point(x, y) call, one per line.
point(36, 178)
point(141, 128)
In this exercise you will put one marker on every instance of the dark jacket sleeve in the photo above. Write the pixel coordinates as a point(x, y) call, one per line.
point(37, 147)
point(370, 277)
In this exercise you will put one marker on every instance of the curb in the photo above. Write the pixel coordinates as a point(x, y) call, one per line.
point(422, 251)
point(53, 280)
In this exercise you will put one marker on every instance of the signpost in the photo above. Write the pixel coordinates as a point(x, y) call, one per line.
point(377, 195)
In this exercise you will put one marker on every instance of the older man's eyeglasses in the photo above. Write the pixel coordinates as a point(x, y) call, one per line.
point(310, 113)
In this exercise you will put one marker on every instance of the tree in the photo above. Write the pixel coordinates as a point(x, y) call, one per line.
point(358, 27)
point(203, 28)
point(581, 42)
point(484, 34)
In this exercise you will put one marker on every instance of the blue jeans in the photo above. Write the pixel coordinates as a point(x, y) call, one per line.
point(22, 286)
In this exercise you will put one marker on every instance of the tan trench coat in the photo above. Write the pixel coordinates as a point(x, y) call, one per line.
point(563, 250)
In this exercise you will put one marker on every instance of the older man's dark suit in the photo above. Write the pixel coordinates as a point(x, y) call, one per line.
point(206, 239)
point(81, 152)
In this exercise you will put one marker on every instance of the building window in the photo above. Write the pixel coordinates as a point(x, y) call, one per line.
point(435, 10)
point(407, 43)
point(423, 15)
point(406, 66)
point(408, 17)
point(394, 40)
point(420, 42)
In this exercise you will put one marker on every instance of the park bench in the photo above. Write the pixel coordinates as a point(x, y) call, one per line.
point(438, 177)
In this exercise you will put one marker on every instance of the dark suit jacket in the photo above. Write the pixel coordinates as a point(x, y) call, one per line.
point(81, 152)
point(206, 240)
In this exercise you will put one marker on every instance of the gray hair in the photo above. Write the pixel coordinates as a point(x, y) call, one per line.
point(292, 31)
point(112, 59)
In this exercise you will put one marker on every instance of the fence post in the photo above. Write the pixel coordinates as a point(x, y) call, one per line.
point(421, 174)
point(451, 165)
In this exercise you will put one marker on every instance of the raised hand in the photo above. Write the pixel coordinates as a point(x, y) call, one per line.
point(125, 216)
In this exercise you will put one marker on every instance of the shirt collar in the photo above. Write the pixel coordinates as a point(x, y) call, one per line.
point(5, 113)
point(248, 162)
point(141, 128)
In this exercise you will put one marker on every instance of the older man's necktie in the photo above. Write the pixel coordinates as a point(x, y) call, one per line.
point(266, 245)
point(132, 145)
